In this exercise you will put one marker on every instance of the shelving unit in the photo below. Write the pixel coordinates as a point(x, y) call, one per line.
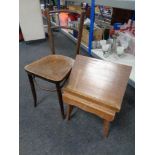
point(130, 5)
point(127, 59)
point(123, 4)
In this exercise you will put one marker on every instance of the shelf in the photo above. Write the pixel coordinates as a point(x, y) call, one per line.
point(125, 59)
point(123, 4)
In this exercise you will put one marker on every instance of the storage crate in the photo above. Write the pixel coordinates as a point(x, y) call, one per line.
point(98, 35)
point(75, 8)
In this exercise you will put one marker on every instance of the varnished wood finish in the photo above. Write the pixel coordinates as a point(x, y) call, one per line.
point(80, 33)
point(69, 111)
point(64, 11)
point(106, 125)
point(50, 34)
point(51, 67)
point(97, 86)
point(60, 100)
point(100, 81)
point(30, 77)
point(86, 105)
point(54, 68)
point(50, 28)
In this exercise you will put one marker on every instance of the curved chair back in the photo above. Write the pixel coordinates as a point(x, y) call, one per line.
point(51, 28)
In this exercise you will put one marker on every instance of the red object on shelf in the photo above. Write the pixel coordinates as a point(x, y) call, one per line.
point(63, 17)
point(73, 17)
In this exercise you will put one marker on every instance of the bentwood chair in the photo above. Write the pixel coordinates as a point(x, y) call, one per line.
point(54, 68)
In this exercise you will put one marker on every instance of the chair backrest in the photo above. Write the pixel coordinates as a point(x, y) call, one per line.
point(51, 28)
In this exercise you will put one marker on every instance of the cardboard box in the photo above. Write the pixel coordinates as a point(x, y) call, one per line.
point(75, 8)
point(98, 35)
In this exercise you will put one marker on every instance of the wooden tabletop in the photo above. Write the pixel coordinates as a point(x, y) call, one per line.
point(98, 81)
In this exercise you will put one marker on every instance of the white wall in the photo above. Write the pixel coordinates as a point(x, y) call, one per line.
point(30, 19)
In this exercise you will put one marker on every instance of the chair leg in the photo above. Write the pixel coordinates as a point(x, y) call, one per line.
point(60, 99)
point(106, 128)
point(33, 89)
point(69, 111)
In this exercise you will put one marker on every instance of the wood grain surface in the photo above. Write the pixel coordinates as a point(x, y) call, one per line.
point(96, 86)
point(51, 67)
point(99, 81)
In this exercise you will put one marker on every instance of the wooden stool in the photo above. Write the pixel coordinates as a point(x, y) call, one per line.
point(96, 86)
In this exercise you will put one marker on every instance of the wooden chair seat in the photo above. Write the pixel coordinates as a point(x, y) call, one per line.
point(51, 67)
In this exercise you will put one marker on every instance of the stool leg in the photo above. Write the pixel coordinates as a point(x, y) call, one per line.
point(69, 111)
point(60, 99)
point(33, 89)
point(106, 127)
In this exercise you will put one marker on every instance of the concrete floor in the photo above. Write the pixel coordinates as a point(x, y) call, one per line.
point(42, 130)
